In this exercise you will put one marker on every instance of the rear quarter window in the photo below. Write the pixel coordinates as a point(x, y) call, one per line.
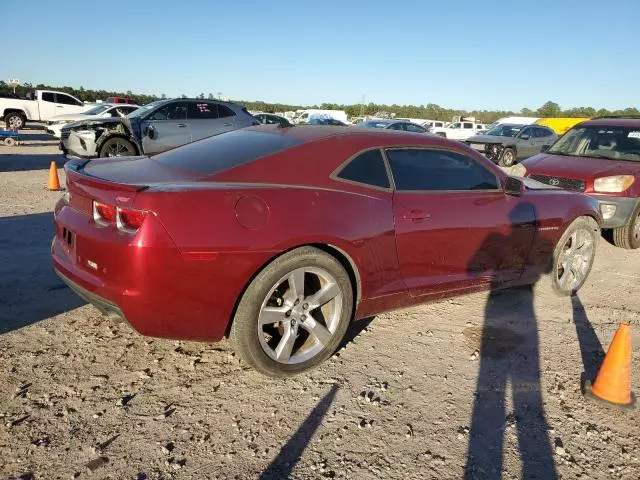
point(227, 150)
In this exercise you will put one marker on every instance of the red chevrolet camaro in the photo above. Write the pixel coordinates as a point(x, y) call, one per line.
point(279, 237)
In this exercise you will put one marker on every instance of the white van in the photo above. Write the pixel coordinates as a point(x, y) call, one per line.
point(305, 115)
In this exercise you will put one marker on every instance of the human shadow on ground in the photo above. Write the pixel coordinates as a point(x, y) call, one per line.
point(291, 452)
point(509, 356)
point(30, 291)
point(10, 162)
point(591, 349)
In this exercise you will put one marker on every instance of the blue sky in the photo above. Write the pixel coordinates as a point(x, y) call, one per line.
point(458, 54)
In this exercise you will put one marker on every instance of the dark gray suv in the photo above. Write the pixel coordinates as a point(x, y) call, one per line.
point(153, 128)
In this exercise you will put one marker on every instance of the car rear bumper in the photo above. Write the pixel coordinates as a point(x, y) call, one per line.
point(624, 208)
point(146, 280)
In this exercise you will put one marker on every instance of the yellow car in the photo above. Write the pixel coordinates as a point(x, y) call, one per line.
point(560, 124)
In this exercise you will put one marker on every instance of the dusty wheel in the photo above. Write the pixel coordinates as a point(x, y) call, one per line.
point(117, 147)
point(294, 313)
point(628, 236)
point(572, 258)
point(508, 158)
point(15, 120)
point(10, 142)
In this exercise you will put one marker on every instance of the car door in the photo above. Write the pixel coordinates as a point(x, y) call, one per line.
point(167, 128)
point(455, 226)
point(204, 119)
point(67, 104)
point(525, 143)
point(47, 106)
point(542, 136)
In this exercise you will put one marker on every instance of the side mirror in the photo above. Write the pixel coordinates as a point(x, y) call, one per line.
point(544, 148)
point(513, 186)
point(525, 137)
point(151, 132)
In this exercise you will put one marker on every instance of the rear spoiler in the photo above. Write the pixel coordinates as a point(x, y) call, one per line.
point(75, 169)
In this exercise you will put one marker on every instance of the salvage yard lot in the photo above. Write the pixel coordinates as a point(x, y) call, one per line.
point(83, 395)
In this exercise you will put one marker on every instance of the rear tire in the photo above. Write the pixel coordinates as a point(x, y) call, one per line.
point(117, 147)
point(572, 258)
point(271, 312)
point(15, 120)
point(628, 236)
point(507, 158)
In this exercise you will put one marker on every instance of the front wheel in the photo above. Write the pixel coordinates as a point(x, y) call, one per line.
point(628, 236)
point(294, 314)
point(508, 157)
point(15, 120)
point(117, 147)
point(573, 257)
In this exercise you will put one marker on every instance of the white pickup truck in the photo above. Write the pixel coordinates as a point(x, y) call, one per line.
point(43, 105)
point(458, 130)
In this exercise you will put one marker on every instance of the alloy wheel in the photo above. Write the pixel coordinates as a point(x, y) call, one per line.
point(118, 149)
point(574, 261)
point(300, 315)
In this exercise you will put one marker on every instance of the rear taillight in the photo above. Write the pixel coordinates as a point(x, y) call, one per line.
point(129, 220)
point(103, 214)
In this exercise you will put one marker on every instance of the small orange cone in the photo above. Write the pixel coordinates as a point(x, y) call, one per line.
point(54, 182)
point(613, 383)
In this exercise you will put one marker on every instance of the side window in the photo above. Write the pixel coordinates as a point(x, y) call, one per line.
point(526, 133)
point(396, 126)
point(544, 132)
point(454, 125)
point(438, 170)
point(203, 110)
point(438, 124)
point(467, 125)
point(48, 97)
point(415, 128)
point(171, 111)
point(367, 168)
point(65, 99)
point(225, 112)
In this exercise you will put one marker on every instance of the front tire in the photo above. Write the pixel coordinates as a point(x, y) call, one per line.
point(15, 120)
point(117, 147)
point(294, 314)
point(508, 158)
point(572, 258)
point(628, 236)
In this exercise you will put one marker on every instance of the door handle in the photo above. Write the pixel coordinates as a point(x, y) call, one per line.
point(181, 125)
point(416, 215)
point(59, 106)
point(227, 124)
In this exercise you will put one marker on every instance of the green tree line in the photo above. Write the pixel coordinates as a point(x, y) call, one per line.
point(429, 111)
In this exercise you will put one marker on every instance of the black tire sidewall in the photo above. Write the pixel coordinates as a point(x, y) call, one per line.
point(244, 332)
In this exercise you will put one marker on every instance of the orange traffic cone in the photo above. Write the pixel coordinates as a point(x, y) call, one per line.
point(613, 383)
point(54, 182)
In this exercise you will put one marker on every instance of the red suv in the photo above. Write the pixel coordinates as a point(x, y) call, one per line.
point(600, 157)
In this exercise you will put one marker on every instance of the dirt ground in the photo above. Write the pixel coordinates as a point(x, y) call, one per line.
point(411, 394)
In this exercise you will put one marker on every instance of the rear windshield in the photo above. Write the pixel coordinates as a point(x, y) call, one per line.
point(227, 150)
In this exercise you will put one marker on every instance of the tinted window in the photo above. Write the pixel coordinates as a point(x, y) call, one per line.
point(66, 99)
point(467, 125)
point(226, 150)
point(225, 111)
point(396, 126)
point(48, 97)
point(526, 132)
point(542, 132)
point(368, 167)
point(435, 170)
point(415, 128)
point(171, 111)
point(203, 110)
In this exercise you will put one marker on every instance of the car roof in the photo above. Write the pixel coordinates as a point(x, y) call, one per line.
point(612, 122)
point(311, 133)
